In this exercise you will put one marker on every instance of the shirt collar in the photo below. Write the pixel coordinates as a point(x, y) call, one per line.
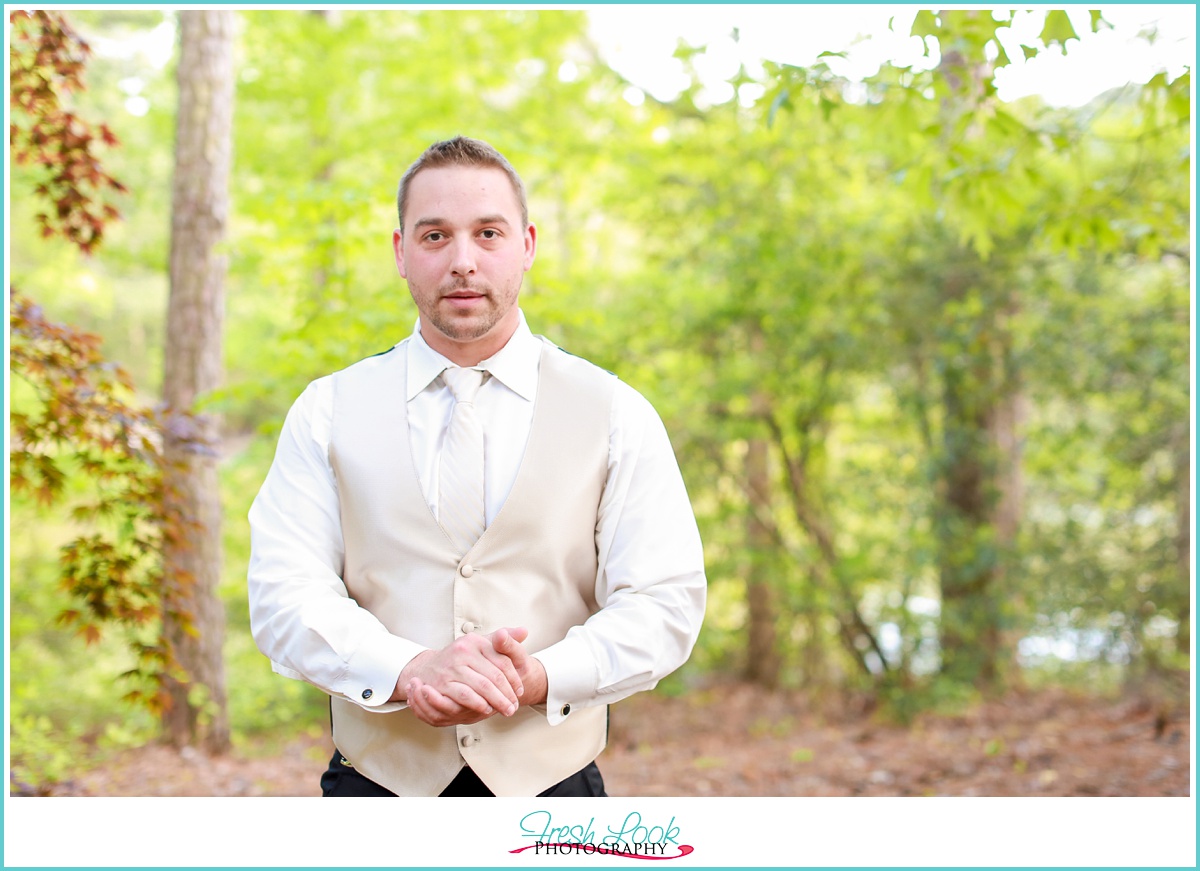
point(515, 365)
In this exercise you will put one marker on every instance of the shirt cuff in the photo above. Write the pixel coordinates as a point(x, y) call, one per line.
point(371, 673)
point(571, 677)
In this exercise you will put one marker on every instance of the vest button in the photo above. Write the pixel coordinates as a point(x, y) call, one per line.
point(468, 627)
point(466, 571)
point(469, 740)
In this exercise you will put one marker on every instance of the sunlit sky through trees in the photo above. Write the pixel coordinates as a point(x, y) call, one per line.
point(639, 42)
point(797, 34)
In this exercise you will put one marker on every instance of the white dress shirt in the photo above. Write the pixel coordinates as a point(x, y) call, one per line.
point(650, 585)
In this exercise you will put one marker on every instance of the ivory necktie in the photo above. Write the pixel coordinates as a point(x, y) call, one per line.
point(460, 478)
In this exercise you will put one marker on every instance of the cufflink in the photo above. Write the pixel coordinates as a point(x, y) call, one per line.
point(367, 694)
point(566, 709)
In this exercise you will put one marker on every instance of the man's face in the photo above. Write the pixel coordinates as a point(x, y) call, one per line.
point(463, 251)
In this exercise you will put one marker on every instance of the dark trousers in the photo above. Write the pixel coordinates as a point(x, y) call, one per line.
point(341, 779)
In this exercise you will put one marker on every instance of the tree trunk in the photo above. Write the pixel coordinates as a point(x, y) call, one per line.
point(200, 203)
point(855, 634)
point(967, 575)
point(981, 496)
point(763, 663)
point(1183, 544)
point(1007, 421)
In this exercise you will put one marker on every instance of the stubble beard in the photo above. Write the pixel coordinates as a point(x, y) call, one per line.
point(467, 328)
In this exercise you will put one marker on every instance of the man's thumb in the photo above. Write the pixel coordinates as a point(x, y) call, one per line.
point(516, 633)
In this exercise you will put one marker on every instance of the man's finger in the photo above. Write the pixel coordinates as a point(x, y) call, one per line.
point(505, 678)
point(476, 694)
point(491, 682)
point(500, 671)
point(454, 699)
point(420, 699)
point(439, 709)
point(508, 642)
point(472, 662)
point(418, 705)
point(471, 674)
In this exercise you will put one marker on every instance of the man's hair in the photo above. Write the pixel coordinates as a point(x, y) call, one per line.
point(461, 151)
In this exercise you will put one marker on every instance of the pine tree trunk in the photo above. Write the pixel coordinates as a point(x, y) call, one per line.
point(969, 496)
point(981, 499)
point(966, 622)
point(200, 204)
point(980, 490)
point(1183, 543)
point(763, 662)
point(1007, 419)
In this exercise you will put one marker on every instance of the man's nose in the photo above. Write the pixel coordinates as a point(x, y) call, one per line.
point(462, 261)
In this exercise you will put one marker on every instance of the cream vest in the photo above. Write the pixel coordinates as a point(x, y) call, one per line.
point(535, 566)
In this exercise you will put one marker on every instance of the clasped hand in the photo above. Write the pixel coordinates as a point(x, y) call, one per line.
point(472, 678)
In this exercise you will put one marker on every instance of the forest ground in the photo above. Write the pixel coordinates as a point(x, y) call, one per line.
point(734, 739)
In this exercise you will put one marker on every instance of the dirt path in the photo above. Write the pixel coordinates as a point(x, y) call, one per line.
point(737, 740)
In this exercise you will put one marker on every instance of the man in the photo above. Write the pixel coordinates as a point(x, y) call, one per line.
point(473, 542)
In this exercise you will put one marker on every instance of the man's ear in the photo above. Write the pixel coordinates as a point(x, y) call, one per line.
point(530, 246)
point(398, 249)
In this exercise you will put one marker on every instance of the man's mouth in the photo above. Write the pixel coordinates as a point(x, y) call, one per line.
point(465, 292)
point(464, 298)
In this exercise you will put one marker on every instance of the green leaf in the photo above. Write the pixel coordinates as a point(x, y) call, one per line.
point(1002, 59)
point(925, 24)
point(826, 107)
point(1097, 19)
point(1004, 124)
point(780, 102)
point(1029, 52)
point(1178, 100)
point(1057, 29)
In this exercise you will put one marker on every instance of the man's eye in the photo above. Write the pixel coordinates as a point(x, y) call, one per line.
point(490, 234)
point(434, 237)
